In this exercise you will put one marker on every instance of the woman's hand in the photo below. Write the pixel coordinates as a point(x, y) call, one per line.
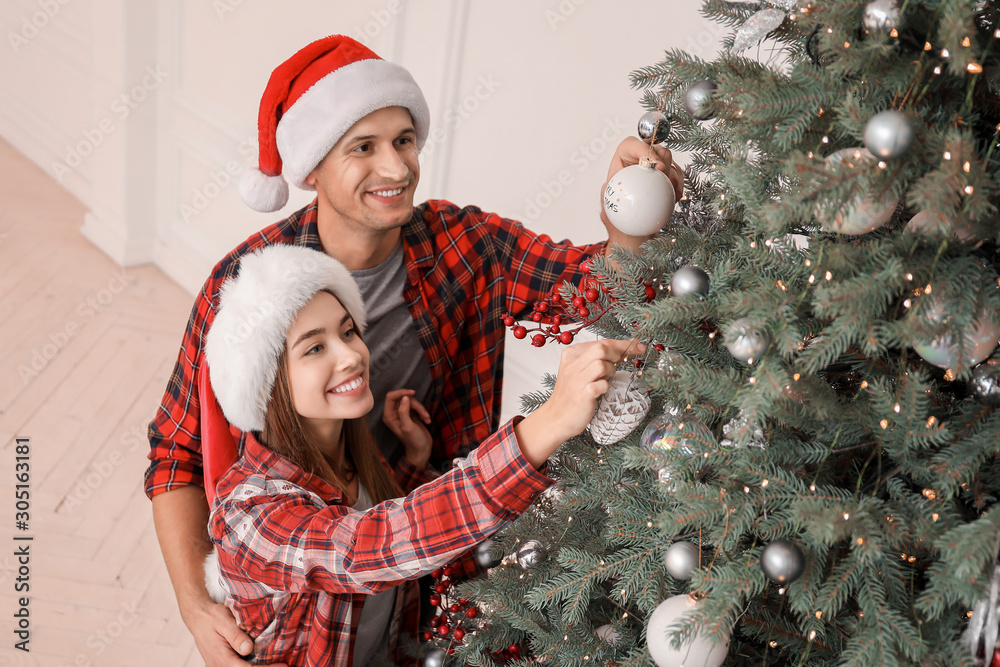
point(400, 409)
point(584, 373)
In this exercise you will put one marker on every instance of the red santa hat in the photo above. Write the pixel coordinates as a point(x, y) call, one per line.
point(310, 102)
point(256, 309)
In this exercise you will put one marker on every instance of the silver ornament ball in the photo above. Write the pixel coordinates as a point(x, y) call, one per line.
point(532, 554)
point(608, 633)
point(985, 383)
point(689, 279)
point(782, 561)
point(681, 560)
point(698, 99)
point(889, 134)
point(747, 346)
point(487, 554)
point(436, 657)
point(654, 127)
point(881, 15)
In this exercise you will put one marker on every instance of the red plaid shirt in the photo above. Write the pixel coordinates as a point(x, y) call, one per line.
point(465, 269)
point(298, 563)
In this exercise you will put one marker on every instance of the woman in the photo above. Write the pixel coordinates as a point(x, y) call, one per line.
point(312, 533)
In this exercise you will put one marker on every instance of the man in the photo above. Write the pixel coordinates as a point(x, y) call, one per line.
point(436, 280)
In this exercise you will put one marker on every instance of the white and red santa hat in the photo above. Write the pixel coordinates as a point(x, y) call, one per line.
point(256, 309)
point(310, 102)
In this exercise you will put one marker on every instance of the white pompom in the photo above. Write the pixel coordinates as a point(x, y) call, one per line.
point(213, 577)
point(262, 192)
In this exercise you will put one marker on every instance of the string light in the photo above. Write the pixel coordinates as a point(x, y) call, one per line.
point(937, 70)
point(909, 276)
point(881, 165)
point(945, 53)
point(968, 189)
point(763, 484)
point(752, 380)
point(966, 42)
point(773, 644)
point(819, 614)
point(975, 68)
point(812, 635)
point(828, 276)
point(947, 155)
point(826, 140)
point(928, 290)
point(896, 408)
point(927, 46)
point(861, 541)
point(864, 384)
point(796, 377)
point(812, 487)
point(782, 286)
point(931, 421)
point(884, 424)
point(966, 167)
point(934, 517)
point(846, 516)
point(930, 494)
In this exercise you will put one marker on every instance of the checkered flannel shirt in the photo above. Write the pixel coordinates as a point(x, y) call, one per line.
point(298, 563)
point(465, 268)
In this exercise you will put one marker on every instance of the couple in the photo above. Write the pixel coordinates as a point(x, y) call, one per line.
point(359, 304)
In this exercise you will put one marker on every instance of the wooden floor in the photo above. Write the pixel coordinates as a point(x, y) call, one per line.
point(86, 352)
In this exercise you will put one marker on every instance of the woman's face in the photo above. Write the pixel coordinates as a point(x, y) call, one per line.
point(327, 363)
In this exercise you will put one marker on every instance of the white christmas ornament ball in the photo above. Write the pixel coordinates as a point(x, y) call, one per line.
point(700, 651)
point(931, 222)
point(861, 214)
point(608, 634)
point(639, 199)
point(978, 342)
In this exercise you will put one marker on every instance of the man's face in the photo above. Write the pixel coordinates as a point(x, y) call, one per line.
point(368, 178)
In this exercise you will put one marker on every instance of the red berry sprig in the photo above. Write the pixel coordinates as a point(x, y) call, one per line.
point(454, 614)
point(560, 321)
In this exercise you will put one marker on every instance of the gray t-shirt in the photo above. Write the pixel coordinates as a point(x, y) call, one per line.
point(372, 639)
point(397, 358)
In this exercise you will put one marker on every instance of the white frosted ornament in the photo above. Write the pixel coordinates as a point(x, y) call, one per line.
point(931, 222)
point(699, 651)
point(942, 351)
point(861, 214)
point(620, 410)
point(608, 633)
point(639, 199)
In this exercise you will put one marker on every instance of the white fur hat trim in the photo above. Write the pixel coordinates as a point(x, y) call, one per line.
point(256, 309)
point(324, 113)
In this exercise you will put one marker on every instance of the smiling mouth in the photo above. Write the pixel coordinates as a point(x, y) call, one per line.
point(387, 193)
point(348, 386)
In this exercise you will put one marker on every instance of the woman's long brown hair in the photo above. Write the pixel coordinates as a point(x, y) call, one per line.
point(285, 434)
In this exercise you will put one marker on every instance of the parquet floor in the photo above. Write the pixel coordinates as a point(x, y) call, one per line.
point(85, 352)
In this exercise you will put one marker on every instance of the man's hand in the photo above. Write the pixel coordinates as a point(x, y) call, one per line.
point(219, 640)
point(400, 407)
point(181, 519)
point(628, 153)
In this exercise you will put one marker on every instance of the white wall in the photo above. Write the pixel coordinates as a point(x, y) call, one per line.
point(526, 91)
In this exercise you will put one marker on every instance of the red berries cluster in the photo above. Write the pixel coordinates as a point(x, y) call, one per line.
point(448, 624)
point(554, 314)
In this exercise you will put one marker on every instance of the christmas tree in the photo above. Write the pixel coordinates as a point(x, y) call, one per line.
point(803, 467)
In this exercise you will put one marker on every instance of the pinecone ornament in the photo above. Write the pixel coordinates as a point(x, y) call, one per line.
point(620, 410)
